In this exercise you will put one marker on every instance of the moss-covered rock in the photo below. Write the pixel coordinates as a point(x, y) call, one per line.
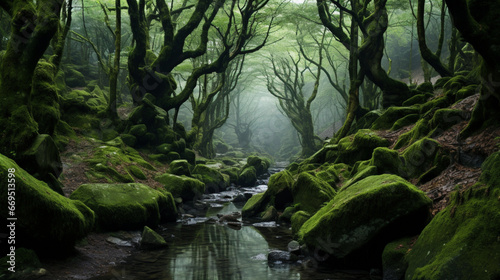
point(311, 192)
point(247, 177)
point(213, 179)
point(129, 139)
point(462, 241)
point(182, 186)
point(253, 207)
point(280, 187)
point(443, 119)
point(151, 240)
point(466, 92)
point(298, 219)
point(44, 217)
point(361, 148)
point(381, 206)
point(138, 130)
point(394, 261)
point(179, 167)
point(271, 214)
point(122, 206)
point(425, 87)
point(391, 115)
point(388, 161)
point(137, 172)
point(421, 129)
point(405, 121)
point(366, 121)
point(421, 156)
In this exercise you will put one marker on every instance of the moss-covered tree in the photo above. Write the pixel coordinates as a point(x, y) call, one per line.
point(33, 25)
point(477, 21)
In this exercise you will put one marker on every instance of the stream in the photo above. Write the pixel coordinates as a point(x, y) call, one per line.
point(200, 247)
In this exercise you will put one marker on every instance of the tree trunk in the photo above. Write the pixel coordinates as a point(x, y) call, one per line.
point(115, 69)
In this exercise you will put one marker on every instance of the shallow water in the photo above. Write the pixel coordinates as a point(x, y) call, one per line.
point(215, 251)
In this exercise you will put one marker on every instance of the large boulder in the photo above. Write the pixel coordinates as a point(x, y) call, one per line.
point(44, 217)
point(125, 206)
point(311, 192)
point(462, 241)
point(247, 177)
point(213, 179)
point(363, 217)
point(179, 167)
point(184, 187)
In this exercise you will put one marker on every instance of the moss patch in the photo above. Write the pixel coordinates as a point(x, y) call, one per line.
point(122, 206)
point(182, 186)
point(311, 192)
point(367, 208)
point(44, 217)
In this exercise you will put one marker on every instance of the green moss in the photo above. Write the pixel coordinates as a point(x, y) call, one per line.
point(189, 155)
point(366, 172)
point(260, 164)
point(405, 121)
point(466, 92)
point(421, 156)
point(298, 219)
point(128, 139)
point(271, 214)
point(16, 137)
point(462, 241)
point(44, 217)
point(441, 102)
point(287, 214)
point(393, 258)
point(365, 121)
point(444, 119)
point(426, 87)
point(74, 78)
point(26, 265)
point(151, 240)
point(254, 205)
point(122, 206)
point(44, 98)
point(361, 147)
point(359, 213)
point(137, 172)
point(232, 173)
point(441, 81)
point(247, 177)
point(179, 167)
point(388, 161)
point(311, 192)
point(420, 130)
point(41, 158)
point(392, 114)
point(182, 186)
point(329, 176)
point(418, 99)
point(213, 179)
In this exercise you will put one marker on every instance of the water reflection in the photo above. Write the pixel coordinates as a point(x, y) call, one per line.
point(214, 251)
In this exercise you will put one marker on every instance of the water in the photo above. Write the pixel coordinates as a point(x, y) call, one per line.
point(200, 248)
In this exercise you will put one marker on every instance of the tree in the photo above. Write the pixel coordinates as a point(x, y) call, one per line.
point(477, 22)
point(153, 75)
point(292, 100)
point(32, 28)
point(211, 107)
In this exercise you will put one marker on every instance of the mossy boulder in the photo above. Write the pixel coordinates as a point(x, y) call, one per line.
point(388, 161)
point(361, 148)
point(129, 139)
point(420, 98)
point(462, 241)
point(123, 206)
point(44, 217)
point(392, 114)
point(358, 220)
point(138, 130)
point(213, 179)
point(425, 87)
point(271, 214)
point(394, 261)
point(423, 157)
point(247, 177)
point(443, 119)
point(233, 174)
point(151, 240)
point(179, 167)
point(298, 219)
point(184, 187)
point(311, 192)
point(259, 163)
point(255, 205)
point(366, 121)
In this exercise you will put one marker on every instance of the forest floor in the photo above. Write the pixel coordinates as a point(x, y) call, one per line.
point(95, 255)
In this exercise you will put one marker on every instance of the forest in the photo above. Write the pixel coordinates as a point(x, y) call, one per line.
point(250, 139)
